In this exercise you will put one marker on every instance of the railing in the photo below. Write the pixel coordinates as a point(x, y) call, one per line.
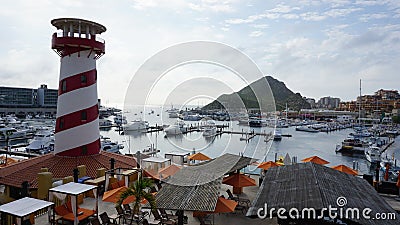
point(76, 35)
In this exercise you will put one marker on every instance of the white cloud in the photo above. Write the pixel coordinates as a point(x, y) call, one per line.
point(256, 33)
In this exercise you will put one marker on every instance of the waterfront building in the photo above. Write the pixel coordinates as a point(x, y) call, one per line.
point(382, 100)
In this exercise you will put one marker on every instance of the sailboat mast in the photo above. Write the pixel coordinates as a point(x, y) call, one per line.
point(359, 106)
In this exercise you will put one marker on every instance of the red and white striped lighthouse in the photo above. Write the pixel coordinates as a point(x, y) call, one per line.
point(77, 124)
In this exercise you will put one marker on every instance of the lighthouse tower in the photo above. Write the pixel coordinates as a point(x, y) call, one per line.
point(77, 123)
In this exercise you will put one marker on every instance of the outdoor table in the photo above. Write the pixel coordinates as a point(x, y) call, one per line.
point(23, 207)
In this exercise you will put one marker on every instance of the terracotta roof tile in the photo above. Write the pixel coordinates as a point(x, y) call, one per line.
point(60, 166)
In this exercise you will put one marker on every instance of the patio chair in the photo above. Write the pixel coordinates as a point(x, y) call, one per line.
point(153, 189)
point(122, 214)
point(127, 208)
point(163, 220)
point(168, 215)
point(241, 201)
point(154, 222)
point(107, 220)
point(203, 221)
point(95, 221)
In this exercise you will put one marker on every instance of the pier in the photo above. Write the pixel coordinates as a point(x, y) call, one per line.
point(19, 153)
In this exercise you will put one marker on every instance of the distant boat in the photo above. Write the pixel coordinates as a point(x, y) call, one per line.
point(178, 128)
point(277, 134)
point(136, 125)
point(306, 129)
point(373, 154)
point(210, 129)
point(110, 146)
point(257, 122)
point(42, 142)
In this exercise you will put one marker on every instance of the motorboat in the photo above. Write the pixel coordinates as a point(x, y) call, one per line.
point(257, 122)
point(119, 119)
point(373, 154)
point(110, 146)
point(177, 128)
point(136, 125)
point(12, 133)
point(173, 114)
point(306, 129)
point(105, 123)
point(277, 134)
point(209, 129)
point(42, 142)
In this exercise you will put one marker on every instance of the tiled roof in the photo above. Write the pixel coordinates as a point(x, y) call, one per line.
point(309, 185)
point(60, 166)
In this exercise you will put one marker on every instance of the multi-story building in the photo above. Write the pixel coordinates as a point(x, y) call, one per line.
point(328, 102)
point(383, 101)
point(28, 100)
point(310, 101)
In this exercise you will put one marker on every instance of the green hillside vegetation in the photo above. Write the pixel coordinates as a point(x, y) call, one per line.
point(281, 93)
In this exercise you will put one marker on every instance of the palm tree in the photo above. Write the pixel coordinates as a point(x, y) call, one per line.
point(140, 190)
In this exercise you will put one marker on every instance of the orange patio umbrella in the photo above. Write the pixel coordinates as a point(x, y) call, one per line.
point(113, 196)
point(267, 165)
point(223, 206)
point(316, 160)
point(398, 181)
point(345, 169)
point(198, 156)
point(169, 170)
point(239, 180)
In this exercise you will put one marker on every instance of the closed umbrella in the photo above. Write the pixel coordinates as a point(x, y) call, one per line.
point(345, 169)
point(315, 159)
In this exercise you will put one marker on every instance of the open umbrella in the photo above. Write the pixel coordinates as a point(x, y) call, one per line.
point(267, 165)
point(239, 180)
point(316, 160)
point(169, 170)
point(198, 156)
point(345, 169)
point(114, 194)
point(223, 206)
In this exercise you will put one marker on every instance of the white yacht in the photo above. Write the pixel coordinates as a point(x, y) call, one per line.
point(177, 128)
point(373, 154)
point(12, 133)
point(306, 129)
point(136, 125)
point(42, 142)
point(209, 129)
point(110, 146)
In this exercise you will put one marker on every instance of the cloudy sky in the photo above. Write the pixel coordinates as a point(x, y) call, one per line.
point(318, 48)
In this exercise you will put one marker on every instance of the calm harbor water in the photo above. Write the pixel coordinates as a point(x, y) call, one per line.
point(300, 145)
